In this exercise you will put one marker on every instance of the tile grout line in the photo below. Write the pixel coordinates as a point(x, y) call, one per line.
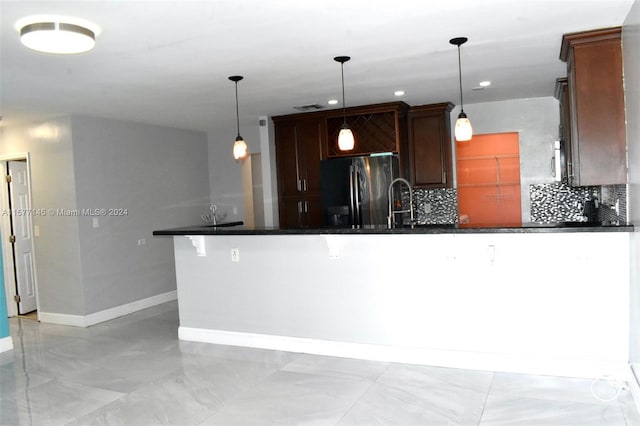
point(484, 405)
point(371, 385)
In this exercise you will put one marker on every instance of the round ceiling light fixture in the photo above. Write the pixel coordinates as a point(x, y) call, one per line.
point(57, 35)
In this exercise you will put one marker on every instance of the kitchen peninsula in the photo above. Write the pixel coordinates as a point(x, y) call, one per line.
point(543, 299)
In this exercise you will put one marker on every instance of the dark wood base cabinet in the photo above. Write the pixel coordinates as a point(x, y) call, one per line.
point(596, 107)
point(302, 212)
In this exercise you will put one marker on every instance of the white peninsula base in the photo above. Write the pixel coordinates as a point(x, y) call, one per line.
point(537, 303)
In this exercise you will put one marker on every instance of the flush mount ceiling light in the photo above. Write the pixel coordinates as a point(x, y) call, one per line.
point(399, 93)
point(346, 140)
point(463, 131)
point(240, 150)
point(57, 37)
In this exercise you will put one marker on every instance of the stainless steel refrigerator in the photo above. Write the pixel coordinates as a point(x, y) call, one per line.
point(354, 189)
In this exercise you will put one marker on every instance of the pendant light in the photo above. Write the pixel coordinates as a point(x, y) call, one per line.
point(346, 140)
point(463, 131)
point(240, 150)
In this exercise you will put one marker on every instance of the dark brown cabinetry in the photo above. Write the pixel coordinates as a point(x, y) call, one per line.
point(430, 146)
point(596, 107)
point(377, 128)
point(302, 140)
point(564, 131)
point(298, 141)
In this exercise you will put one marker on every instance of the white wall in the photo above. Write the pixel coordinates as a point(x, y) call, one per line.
point(159, 175)
point(459, 300)
point(536, 120)
point(53, 187)
point(225, 173)
point(631, 55)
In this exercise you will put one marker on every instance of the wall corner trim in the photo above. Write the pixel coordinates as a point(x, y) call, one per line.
point(107, 314)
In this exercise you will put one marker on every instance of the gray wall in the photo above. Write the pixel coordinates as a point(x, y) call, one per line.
point(225, 174)
point(57, 249)
point(537, 122)
point(631, 54)
point(160, 176)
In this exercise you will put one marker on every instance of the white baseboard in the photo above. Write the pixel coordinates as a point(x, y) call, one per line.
point(6, 344)
point(107, 314)
point(411, 355)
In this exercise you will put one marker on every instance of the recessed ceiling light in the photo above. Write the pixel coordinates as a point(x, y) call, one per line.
point(333, 102)
point(485, 83)
point(57, 34)
point(399, 92)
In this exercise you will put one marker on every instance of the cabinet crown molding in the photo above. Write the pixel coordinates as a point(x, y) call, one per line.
point(582, 37)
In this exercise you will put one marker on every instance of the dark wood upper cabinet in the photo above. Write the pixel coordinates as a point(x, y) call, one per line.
point(596, 107)
point(430, 164)
point(377, 128)
point(561, 93)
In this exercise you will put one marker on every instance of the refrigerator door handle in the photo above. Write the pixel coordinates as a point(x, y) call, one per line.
point(356, 197)
point(352, 208)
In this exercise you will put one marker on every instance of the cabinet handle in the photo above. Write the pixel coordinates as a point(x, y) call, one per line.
point(299, 185)
point(299, 206)
point(306, 207)
point(304, 185)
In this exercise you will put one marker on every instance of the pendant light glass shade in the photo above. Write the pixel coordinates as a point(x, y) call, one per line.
point(346, 139)
point(240, 149)
point(57, 37)
point(463, 131)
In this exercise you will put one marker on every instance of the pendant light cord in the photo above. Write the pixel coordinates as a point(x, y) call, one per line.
point(237, 110)
point(460, 79)
point(344, 105)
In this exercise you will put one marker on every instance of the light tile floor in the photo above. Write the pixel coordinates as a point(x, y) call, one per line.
point(134, 371)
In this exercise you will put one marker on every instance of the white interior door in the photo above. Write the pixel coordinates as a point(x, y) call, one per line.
point(23, 257)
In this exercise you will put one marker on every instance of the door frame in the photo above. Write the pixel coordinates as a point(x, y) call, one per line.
point(5, 229)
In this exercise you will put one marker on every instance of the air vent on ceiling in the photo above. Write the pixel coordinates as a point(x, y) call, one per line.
point(304, 108)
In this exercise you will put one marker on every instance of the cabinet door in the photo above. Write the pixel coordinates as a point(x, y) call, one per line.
point(562, 94)
point(430, 146)
point(309, 146)
point(301, 212)
point(596, 93)
point(287, 163)
point(298, 154)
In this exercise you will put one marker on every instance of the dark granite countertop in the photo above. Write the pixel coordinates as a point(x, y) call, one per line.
point(236, 228)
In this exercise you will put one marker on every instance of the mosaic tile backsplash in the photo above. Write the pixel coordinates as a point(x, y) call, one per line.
point(435, 206)
point(550, 203)
point(557, 202)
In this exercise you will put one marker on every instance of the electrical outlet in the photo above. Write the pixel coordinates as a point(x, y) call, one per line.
point(142, 242)
point(96, 222)
point(427, 207)
point(235, 255)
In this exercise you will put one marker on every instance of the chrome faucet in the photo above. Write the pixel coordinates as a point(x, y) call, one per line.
point(391, 220)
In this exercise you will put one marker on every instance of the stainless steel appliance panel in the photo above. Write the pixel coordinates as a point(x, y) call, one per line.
point(354, 190)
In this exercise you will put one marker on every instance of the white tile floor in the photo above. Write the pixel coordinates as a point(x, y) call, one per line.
point(135, 371)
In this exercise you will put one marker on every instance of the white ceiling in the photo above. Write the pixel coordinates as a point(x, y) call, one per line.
point(167, 62)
